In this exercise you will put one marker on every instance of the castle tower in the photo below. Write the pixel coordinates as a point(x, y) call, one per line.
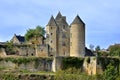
point(63, 35)
point(51, 35)
point(77, 38)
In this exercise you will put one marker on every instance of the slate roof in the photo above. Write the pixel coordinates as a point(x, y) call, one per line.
point(51, 22)
point(88, 52)
point(77, 20)
point(59, 15)
point(20, 38)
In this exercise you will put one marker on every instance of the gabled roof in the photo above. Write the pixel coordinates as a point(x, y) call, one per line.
point(88, 52)
point(77, 20)
point(51, 22)
point(59, 15)
point(20, 38)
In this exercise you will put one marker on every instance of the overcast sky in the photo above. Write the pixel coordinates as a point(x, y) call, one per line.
point(100, 16)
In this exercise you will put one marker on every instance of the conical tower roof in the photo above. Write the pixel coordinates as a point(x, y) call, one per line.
point(77, 20)
point(59, 15)
point(51, 22)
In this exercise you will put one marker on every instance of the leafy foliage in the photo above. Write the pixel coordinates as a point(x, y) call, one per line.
point(64, 75)
point(9, 48)
point(110, 73)
point(34, 33)
point(70, 62)
point(8, 76)
point(102, 53)
point(104, 62)
point(97, 48)
point(115, 50)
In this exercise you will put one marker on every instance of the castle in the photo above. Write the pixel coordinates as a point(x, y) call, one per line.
point(61, 39)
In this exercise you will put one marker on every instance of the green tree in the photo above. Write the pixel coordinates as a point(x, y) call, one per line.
point(91, 46)
point(110, 73)
point(115, 50)
point(34, 33)
point(97, 48)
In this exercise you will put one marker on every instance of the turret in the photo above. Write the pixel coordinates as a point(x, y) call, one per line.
point(77, 38)
point(51, 33)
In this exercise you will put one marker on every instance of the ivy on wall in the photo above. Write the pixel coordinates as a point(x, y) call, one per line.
point(105, 61)
point(25, 60)
point(69, 62)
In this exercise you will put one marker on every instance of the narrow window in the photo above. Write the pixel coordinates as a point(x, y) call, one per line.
point(63, 26)
point(51, 49)
point(51, 33)
point(63, 44)
point(63, 35)
point(51, 41)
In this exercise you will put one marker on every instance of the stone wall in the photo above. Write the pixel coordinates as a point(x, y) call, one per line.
point(27, 51)
point(2, 52)
point(21, 63)
point(42, 51)
point(90, 65)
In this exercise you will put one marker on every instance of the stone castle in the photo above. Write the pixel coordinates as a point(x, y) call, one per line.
point(61, 39)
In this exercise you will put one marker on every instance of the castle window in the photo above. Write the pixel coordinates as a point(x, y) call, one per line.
point(51, 49)
point(51, 33)
point(47, 35)
point(63, 26)
point(41, 50)
point(51, 41)
point(63, 35)
point(51, 27)
point(63, 44)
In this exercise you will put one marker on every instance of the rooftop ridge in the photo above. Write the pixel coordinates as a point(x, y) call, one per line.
point(51, 22)
point(77, 20)
point(59, 15)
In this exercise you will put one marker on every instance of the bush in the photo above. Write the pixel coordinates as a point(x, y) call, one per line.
point(70, 62)
point(8, 76)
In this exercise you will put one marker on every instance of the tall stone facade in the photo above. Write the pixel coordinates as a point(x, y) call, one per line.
point(58, 36)
point(61, 39)
point(64, 39)
point(77, 38)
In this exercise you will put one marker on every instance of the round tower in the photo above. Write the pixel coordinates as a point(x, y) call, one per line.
point(77, 38)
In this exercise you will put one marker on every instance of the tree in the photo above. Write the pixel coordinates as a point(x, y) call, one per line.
point(34, 33)
point(91, 47)
point(114, 50)
point(110, 73)
point(97, 48)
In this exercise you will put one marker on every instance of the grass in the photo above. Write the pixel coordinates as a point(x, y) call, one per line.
point(40, 73)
